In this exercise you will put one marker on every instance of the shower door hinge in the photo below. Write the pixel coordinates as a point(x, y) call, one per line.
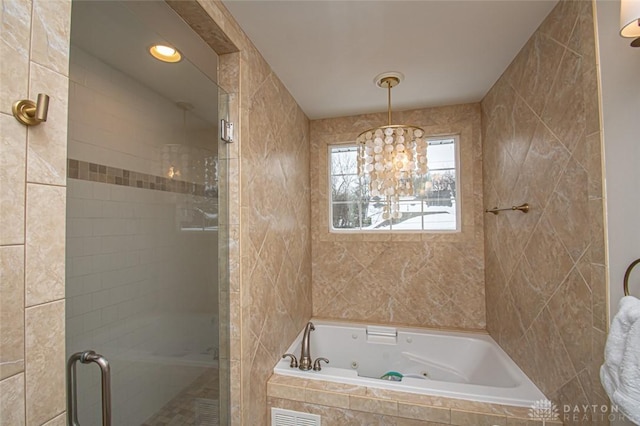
point(226, 131)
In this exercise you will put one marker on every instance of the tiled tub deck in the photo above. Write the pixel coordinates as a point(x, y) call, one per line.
point(342, 404)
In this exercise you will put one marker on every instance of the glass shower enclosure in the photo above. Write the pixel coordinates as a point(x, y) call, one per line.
point(145, 247)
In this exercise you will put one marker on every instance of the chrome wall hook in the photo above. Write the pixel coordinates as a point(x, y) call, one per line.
point(31, 113)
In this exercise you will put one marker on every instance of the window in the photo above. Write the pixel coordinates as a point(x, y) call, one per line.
point(434, 208)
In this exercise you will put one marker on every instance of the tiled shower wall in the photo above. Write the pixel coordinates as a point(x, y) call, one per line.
point(545, 270)
point(140, 291)
point(417, 279)
point(141, 267)
point(117, 121)
point(34, 51)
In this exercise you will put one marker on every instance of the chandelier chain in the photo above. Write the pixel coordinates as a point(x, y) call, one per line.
point(389, 101)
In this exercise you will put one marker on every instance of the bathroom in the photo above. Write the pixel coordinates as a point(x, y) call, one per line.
point(280, 254)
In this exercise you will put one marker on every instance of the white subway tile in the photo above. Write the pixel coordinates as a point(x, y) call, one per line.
point(73, 287)
point(82, 265)
point(111, 279)
point(93, 209)
point(91, 245)
point(110, 208)
point(101, 191)
point(113, 243)
point(103, 336)
point(118, 193)
point(132, 259)
point(75, 207)
point(101, 299)
point(79, 189)
point(74, 246)
point(79, 342)
point(81, 304)
point(74, 325)
point(119, 295)
point(91, 283)
point(91, 321)
point(109, 314)
point(78, 227)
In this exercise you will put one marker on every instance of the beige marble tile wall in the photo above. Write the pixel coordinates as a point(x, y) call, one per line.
point(418, 279)
point(275, 231)
point(545, 270)
point(34, 52)
point(269, 210)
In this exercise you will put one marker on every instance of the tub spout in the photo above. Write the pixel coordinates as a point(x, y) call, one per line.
point(305, 355)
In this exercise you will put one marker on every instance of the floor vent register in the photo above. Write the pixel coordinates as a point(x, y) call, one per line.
point(282, 417)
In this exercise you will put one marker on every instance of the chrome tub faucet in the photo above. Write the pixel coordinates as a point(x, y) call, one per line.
point(306, 363)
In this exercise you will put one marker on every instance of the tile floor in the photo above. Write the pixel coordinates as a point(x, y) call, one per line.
point(196, 405)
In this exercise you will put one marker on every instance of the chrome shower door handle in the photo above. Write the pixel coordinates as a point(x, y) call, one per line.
point(72, 399)
point(105, 371)
point(87, 357)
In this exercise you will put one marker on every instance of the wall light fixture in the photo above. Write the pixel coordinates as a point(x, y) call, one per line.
point(630, 20)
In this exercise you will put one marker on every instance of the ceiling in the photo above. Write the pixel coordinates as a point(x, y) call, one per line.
point(120, 33)
point(327, 52)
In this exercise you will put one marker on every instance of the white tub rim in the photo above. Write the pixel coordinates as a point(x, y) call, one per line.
point(340, 375)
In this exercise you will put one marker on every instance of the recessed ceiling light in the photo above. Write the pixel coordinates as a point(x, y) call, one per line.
point(165, 53)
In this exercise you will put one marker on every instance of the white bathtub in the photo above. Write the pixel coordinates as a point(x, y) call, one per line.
point(450, 364)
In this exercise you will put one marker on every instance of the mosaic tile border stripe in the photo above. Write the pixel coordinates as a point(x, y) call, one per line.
point(93, 172)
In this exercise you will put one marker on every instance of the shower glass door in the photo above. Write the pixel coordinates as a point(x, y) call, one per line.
point(146, 253)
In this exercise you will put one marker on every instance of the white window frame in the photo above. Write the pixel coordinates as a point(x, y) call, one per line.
point(458, 199)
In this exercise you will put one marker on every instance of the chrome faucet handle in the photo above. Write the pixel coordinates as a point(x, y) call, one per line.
point(294, 360)
point(316, 364)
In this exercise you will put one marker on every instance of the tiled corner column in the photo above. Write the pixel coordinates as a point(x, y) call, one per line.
point(230, 372)
point(269, 243)
point(341, 404)
point(34, 51)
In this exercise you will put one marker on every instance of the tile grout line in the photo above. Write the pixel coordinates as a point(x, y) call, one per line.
point(24, 253)
point(55, 185)
point(62, 299)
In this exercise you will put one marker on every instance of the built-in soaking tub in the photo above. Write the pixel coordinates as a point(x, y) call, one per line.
point(468, 366)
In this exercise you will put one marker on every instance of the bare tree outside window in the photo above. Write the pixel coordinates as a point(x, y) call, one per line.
point(348, 191)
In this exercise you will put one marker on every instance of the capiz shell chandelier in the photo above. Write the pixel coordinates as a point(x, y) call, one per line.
point(392, 156)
